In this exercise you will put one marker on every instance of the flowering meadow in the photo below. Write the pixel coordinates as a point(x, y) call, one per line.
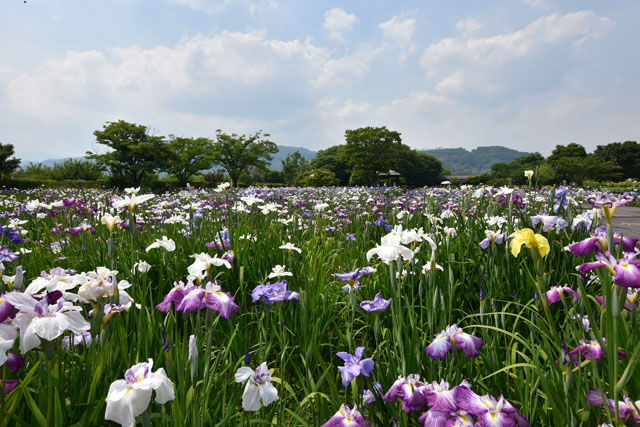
point(318, 307)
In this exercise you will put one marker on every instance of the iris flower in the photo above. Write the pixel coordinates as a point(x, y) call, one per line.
point(347, 417)
point(410, 390)
point(168, 244)
point(490, 412)
point(626, 408)
point(492, 237)
point(273, 292)
point(351, 279)
point(626, 270)
point(453, 336)
point(609, 204)
point(258, 391)
point(354, 366)
point(555, 293)
point(549, 222)
point(377, 304)
point(598, 243)
point(131, 396)
point(211, 296)
point(529, 239)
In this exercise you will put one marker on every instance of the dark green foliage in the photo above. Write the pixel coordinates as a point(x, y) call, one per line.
point(135, 152)
point(292, 166)
point(624, 154)
point(34, 171)
point(462, 162)
point(73, 169)
point(418, 169)
point(8, 164)
point(333, 159)
point(371, 150)
point(187, 157)
point(316, 178)
point(242, 155)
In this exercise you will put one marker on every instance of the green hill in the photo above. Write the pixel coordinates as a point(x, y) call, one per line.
point(479, 160)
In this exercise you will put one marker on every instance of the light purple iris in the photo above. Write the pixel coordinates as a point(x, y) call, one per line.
point(549, 222)
point(611, 201)
point(626, 270)
point(453, 336)
point(354, 366)
point(490, 412)
point(211, 296)
point(273, 292)
point(351, 279)
point(347, 417)
point(556, 293)
point(7, 256)
point(174, 296)
point(598, 243)
point(409, 389)
point(492, 236)
point(626, 409)
point(377, 304)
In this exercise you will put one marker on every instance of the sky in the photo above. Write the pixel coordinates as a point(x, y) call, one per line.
point(525, 74)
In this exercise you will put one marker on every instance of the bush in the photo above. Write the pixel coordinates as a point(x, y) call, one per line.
point(317, 178)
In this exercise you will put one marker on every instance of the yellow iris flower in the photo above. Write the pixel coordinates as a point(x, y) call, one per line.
point(526, 237)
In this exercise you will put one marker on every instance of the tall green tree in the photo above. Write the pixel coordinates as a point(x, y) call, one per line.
point(334, 159)
point(187, 157)
point(133, 154)
point(624, 154)
point(418, 169)
point(371, 150)
point(241, 154)
point(567, 162)
point(76, 169)
point(8, 164)
point(293, 165)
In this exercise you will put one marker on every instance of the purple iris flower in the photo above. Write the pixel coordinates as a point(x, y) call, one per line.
point(8, 385)
point(351, 236)
point(351, 279)
point(626, 408)
point(6, 308)
point(453, 336)
point(7, 256)
point(211, 296)
point(381, 222)
point(354, 366)
point(273, 292)
point(492, 236)
point(410, 390)
point(368, 396)
point(556, 293)
point(549, 222)
point(590, 350)
point(347, 417)
point(598, 243)
point(15, 362)
point(174, 296)
point(377, 304)
point(490, 412)
point(626, 270)
point(561, 198)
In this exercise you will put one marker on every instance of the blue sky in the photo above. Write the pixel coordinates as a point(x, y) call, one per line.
point(527, 74)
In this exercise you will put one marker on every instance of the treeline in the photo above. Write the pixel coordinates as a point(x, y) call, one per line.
point(569, 164)
point(479, 160)
point(134, 157)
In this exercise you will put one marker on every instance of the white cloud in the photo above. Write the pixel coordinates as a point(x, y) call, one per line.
point(490, 64)
point(399, 31)
point(338, 22)
point(216, 6)
point(469, 26)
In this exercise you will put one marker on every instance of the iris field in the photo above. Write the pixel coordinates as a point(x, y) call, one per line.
point(309, 307)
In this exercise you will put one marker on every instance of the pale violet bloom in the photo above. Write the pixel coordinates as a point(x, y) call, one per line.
point(492, 236)
point(258, 391)
point(131, 396)
point(39, 319)
point(279, 271)
point(290, 247)
point(8, 336)
point(549, 222)
point(168, 244)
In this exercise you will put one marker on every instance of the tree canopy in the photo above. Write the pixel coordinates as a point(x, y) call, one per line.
point(188, 156)
point(8, 164)
point(371, 150)
point(239, 154)
point(293, 165)
point(133, 154)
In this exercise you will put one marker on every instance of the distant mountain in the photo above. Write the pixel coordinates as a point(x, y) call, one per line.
point(34, 157)
point(479, 160)
point(284, 151)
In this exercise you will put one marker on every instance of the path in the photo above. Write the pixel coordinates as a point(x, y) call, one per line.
point(626, 220)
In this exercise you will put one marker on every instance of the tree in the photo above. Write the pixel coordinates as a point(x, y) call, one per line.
point(624, 154)
point(7, 165)
point(333, 159)
point(187, 157)
point(567, 162)
point(371, 150)
point(418, 169)
point(76, 169)
point(293, 165)
point(135, 152)
point(316, 178)
point(240, 154)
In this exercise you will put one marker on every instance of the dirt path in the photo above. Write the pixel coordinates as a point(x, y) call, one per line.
point(626, 220)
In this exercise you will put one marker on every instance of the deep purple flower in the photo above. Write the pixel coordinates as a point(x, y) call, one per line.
point(15, 362)
point(351, 279)
point(174, 296)
point(353, 366)
point(10, 385)
point(598, 243)
point(165, 341)
point(368, 396)
point(273, 292)
point(626, 270)
point(556, 293)
point(377, 304)
point(626, 409)
point(453, 336)
point(346, 417)
point(6, 308)
point(410, 390)
point(7, 256)
point(211, 296)
point(590, 350)
point(490, 412)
